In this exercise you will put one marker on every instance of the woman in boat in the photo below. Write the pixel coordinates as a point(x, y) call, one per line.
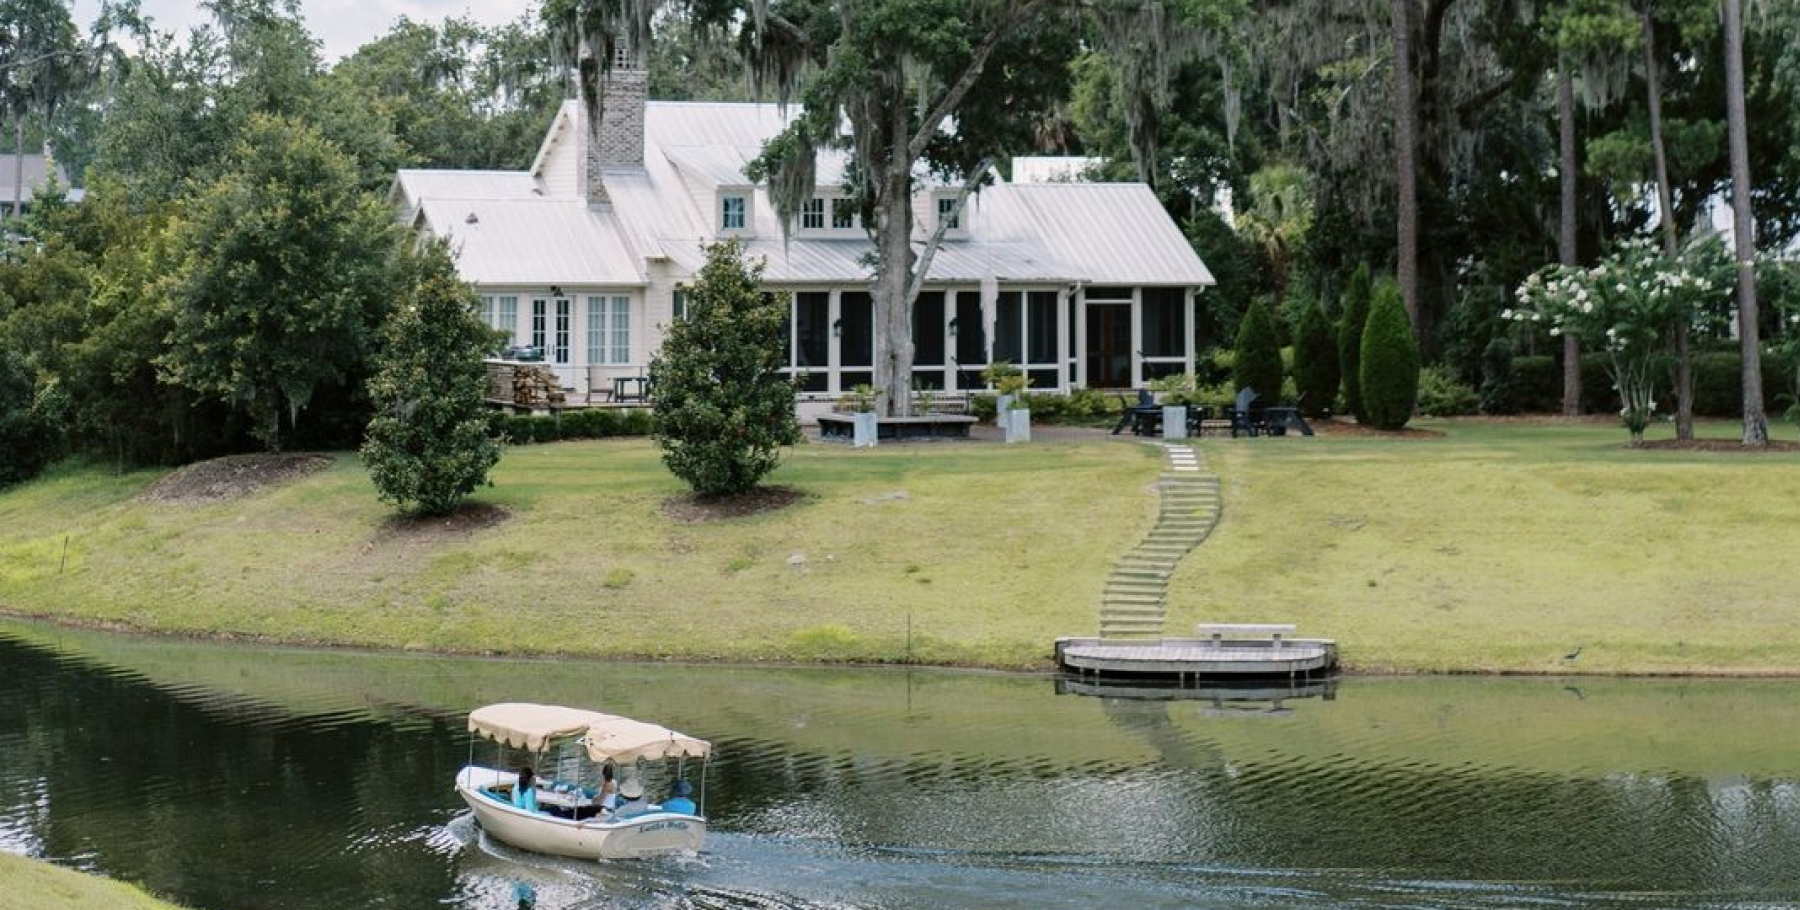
point(609, 789)
point(680, 799)
point(524, 795)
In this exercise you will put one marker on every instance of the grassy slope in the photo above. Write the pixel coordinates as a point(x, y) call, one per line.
point(29, 885)
point(992, 552)
point(1505, 546)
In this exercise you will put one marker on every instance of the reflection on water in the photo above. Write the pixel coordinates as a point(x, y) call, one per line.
point(250, 778)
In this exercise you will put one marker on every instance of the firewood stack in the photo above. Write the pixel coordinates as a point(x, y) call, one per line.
point(535, 386)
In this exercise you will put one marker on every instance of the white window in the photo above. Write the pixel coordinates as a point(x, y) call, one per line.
point(538, 310)
point(812, 214)
point(947, 213)
point(486, 309)
point(843, 214)
point(679, 304)
point(609, 330)
point(508, 318)
point(733, 212)
point(563, 307)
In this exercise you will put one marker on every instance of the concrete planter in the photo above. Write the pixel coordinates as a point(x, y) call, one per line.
point(1002, 404)
point(866, 430)
point(1174, 421)
point(1017, 423)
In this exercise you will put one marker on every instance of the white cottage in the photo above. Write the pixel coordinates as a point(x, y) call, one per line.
point(1081, 284)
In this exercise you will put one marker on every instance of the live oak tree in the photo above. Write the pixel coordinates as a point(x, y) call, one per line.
point(429, 444)
point(939, 85)
point(283, 274)
point(723, 407)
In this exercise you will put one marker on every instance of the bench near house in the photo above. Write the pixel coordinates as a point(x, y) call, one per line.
point(1081, 284)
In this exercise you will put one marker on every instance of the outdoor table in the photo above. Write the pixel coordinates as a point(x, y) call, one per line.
point(1146, 420)
point(1277, 420)
point(641, 392)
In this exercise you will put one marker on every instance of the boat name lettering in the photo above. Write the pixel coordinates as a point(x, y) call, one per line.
point(663, 826)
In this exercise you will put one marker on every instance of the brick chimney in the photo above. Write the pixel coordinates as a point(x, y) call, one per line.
point(617, 141)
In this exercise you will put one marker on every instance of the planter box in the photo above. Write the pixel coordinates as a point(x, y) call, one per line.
point(842, 427)
point(1017, 423)
point(1174, 419)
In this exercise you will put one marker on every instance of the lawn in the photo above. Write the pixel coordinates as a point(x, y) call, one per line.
point(1507, 546)
point(967, 554)
point(29, 885)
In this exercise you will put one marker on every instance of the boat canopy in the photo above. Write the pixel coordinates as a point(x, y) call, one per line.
point(607, 737)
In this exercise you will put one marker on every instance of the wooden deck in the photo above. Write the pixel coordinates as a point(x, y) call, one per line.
point(1198, 658)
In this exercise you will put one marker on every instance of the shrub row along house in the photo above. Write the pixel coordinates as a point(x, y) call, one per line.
point(1080, 284)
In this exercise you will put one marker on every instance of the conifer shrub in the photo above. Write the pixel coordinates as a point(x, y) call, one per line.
point(1316, 362)
point(1256, 361)
point(1499, 383)
point(1390, 362)
point(1350, 332)
point(723, 408)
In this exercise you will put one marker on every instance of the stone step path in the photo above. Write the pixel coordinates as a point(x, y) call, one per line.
point(1133, 602)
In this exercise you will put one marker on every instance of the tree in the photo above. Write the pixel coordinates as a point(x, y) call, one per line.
point(283, 275)
point(27, 437)
point(900, 73)
point(1279, 217)
point(39, 65)
point(723, 408)
point(1316, 362)
point(1357, 296)
point(430, 443)
point(1568, 250)
point(1390, 362)
point(1406, 171)
point(1256, 363)
point(1756, 423)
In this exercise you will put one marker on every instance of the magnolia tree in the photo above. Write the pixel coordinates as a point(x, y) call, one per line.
point(1629, 305)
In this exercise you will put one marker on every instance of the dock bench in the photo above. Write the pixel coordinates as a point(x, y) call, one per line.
point(1218, 632)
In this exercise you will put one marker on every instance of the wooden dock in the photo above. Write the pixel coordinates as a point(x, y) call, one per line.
point(1199, 658)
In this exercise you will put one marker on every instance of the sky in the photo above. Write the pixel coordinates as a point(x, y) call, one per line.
point(341, 25)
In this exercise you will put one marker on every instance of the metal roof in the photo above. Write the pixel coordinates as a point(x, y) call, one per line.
point(1110, 233)
point(34, 176)
point(843, 261)
point(544, 241)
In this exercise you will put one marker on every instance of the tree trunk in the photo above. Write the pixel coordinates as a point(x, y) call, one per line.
point(1406, 175)
point(1568, 252)
point(893, 314)
point(1665, 201)
point(18, 199)
point(1756, 424)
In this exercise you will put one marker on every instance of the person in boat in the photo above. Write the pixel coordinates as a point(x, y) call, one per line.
point(609, 789)
point(681, 799)
point(524, 795)
point(632, 791)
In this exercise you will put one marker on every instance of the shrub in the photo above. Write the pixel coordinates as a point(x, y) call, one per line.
point(1256, 362)
point(723, 408)
point(1390, 362)
point(429, 445)
point(1316, 363)
point(27, 437)
point(1499, 384)
point(1441, 394)
point(1350, 331)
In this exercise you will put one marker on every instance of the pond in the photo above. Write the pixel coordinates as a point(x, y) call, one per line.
point(234, 778)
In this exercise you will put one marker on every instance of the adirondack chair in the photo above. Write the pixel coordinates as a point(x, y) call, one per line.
point(1241, 421)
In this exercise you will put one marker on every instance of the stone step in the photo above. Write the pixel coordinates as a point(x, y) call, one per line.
point(1138, 575)
point(1140, 617)
point(1141, 625)
point(1137, 585)
point(1132, 600)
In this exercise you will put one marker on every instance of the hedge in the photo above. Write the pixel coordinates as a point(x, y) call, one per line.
point(1717, 390)
point(583, 423)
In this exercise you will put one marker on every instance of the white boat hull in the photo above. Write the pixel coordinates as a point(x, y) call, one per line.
point(654, 834)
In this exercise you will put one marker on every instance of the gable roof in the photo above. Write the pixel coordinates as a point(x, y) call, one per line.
point(533, 226)
point(36, 175)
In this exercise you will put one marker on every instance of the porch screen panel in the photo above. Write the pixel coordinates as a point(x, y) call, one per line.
point(1040, 327)
point(856, 339)
point(812, 336)
point(971, 340)
point(928, 329)
point(539, 310)
point(1009, 327)
point(1164, 322)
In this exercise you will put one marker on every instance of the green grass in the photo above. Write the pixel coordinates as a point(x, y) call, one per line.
point(29, 885)
point(992, 552)
point(1502, 547)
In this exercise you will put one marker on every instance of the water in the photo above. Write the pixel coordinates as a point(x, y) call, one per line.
point(242, 778)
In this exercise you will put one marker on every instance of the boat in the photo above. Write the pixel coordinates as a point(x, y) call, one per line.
point(563, 814)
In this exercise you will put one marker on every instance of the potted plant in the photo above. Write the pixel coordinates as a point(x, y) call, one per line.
point(866, 425)
point(1008, 382)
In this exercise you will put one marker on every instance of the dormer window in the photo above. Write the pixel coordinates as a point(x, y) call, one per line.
point(956, 222)
point(734, 212)
point(844, 216)
point(812, 214)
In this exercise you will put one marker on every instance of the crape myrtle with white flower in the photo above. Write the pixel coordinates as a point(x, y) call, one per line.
point(1628, 305)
